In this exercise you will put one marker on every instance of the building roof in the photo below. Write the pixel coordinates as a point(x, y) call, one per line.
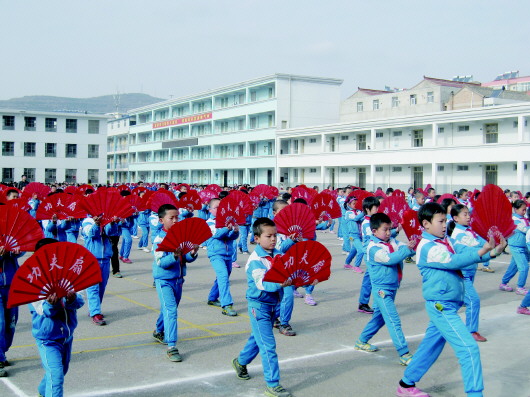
point(488, 92)
point(446, 83)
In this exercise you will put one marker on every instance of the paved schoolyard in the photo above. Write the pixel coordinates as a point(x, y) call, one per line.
point(121, 359)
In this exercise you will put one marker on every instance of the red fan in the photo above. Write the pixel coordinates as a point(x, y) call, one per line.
point(275, 192)
point(243, 201)
point(394, 207)
point(136, 202)
point(139, 189)
point(263, 191)
point(360, 195)
point(107, 205)
point(55, 268)
point(229, 213)
point(40, 189)
point(123, 187)
point(333, 193)
point(412, 227)
point(303, 263)
point(206, 195)
point(214, 187)
point(161, 197)
point(325, 207)
point(445, 196)
point(492, 214)
point(472, 196)
point(84, 188)
point(398, 193)
point(183, 185)
point(185, 234)
point(18, 229)
point(190, 201)
point(20, 203)
point(303, 192)
point(296, 218)
point(380, 192)
point(71, 189)
point(63, 205)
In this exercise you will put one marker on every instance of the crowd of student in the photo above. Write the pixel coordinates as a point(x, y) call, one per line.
point(447, 256)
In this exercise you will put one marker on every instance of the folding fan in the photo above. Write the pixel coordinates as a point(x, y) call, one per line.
point(20, 203)
point(206, 195)
point(40, 189)
point(325, 207)
point(472, 198)
point(183, 185)
point(71, 189)
point(18, 229)
point(446, 196)
point(185, 234)
point(296, 218)
point(360, 195)
point(243, 200)
point(394, 207)
point(123, 187)
point(303, 263)
point(274, 191)
point(263, 191)
point(399, 193)
point(62, 205)
point(492, 214)
point(412, 227)
point(136, 202)
point(84, 188)
point(190, 201)
point(333, 193)
point(55, 268)
point(303, 192)
point(229, 213)
point(380, 192)
point(161, 197)
point(107, 205)
point(215, 188)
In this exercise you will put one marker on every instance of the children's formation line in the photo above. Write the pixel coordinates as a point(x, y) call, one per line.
point(450, 235)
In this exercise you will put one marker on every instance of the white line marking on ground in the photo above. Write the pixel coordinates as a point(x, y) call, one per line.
point(13, 388)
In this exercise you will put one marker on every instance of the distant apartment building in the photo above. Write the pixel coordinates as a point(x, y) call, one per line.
point(510, 81)
point(53, 146)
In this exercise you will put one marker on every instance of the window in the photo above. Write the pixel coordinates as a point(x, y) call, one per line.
point(50, 125)
point(378, 169)
point(397, 133)
point(70, 175)
point(491, 174)
point(430, 97)
point(241, 124)
point(516, 123)
point(50, 175)
point(93, 176)
point(491, 133)
point(441, 130)
point(284, 124)
point(441, 168)
point(515, 167)
point(93, 126)
point(71, 150)
point(395, 101)
point(379, 134)
point(271, 92)
point(30, 123)
point(200, 107)
point(396, 169)
point(29, 149)
point(312, 140)
point(413, 99)
point(253, 123)
point(30, 173)
point(361, 142)
point(93, 151)
point(271, 120)
point(50, 150)
point(253, 96)
point(223, 103)
point(224, 126)
point(375, 104)
point(8, 122)
point(360, 106)
point(71, 125)
point(462, 168)
point(8, 148)
point(462, 128)
point(344, 170)
point(7, 174)
point(312, 170)
point(344, 137)
point(417, 138)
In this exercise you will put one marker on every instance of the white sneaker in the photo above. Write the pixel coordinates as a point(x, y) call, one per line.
point(146, 249)
point(136, 237)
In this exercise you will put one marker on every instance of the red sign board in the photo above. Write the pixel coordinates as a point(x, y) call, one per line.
point(183, 120)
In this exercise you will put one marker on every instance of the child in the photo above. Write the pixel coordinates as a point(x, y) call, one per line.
point(54, 321)
point(169, 269)
point(441, 266)
point(431, 192)
point(463, 234)
point(384, 259)
point(220, 251)
point(419, 200)
point(352, 232)
point(519, 251)
point(263, 297)
point(143, 223)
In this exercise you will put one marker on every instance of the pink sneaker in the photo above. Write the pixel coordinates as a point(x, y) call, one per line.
point(521, 291)
point(309, 300)
point(523, 310)
point(126, 260)
point(234, 264)
point(410, 392)
point(297, 294)
point(348, 267)
point(357, 269)
point(505, 287)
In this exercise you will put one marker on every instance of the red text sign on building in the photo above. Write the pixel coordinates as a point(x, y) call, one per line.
point(183, 120)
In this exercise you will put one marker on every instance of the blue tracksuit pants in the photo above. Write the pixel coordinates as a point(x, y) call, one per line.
point(243, 238)
point(446, 325)
point(356, 248)
point(221, 286)
point(144, 239)
point(385, 313)
point(340, 230)
point(126, 243)
point(472, 301)
point(285, 309)
point(519, 263)
point(8, 322)
point(169, 293)
point(262, 341)
point(526, 301)
point(96, 292)
point(134, 230)
point(71, 235)
point(55, 357)
point(234, 247)
point(366, 289)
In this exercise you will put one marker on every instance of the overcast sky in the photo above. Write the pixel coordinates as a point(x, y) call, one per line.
point(173, 47)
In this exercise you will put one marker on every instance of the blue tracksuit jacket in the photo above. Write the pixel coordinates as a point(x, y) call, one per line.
point(221, 242)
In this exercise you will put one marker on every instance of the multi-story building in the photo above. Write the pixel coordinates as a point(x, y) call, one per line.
point(225, 136)
point(118, 148)
point(53, 146)
point(510, 81)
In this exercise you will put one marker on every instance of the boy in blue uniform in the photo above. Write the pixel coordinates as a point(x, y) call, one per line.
point(351, 222)
point(169, 269)
point(263, 297)
point(384, 259)
point(441, 266)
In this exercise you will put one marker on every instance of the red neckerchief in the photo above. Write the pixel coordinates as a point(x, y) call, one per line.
point(444, 241)
point(366, 217)
point(391, 250)
point(473, 233)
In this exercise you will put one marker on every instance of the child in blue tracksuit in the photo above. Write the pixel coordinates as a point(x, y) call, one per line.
point(463, 234)
point(143, 224)
point(126, 229)
point(169, 269)
point(352, 233)
point(341, 199)
point(203, 213)
point(98, 243)
point(154, 225)
point(384, 259)
point(220, 251)
point(34, 203)
point(242, 243)
point(72, 226)
point(519, 251)
point(441, 264)
point(55, 228)
point(263, 297)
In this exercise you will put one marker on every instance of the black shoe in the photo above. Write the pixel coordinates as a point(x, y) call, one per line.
point(276, 323)
point(365, 308)
point(287, 330)
point(240, 250)
point(241, 370)
point(409, 260)
point(159, 337)
point(214, 303)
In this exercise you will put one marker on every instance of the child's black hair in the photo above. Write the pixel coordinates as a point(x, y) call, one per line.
point(182, 194)
point(518, 204)
point(165, 208)
point(257, 226)
point(286, 196)
point(436, 197)
point(446, 202)
point(461, 192)
point(223, 194)
point(376, 220)
point(11, 191)
point(125, 193)
point(427, 212)
point(389, 190)
point(300, 200)
point(455, 211)
point(44, 241)
point(277, 203)
point(370, 202)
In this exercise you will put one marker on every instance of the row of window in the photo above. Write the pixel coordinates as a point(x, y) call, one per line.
point(50, 150)
point(50, 175)
point(50, 124)
point(396, 102)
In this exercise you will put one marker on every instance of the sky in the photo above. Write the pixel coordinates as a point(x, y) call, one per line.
point(173, 48)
